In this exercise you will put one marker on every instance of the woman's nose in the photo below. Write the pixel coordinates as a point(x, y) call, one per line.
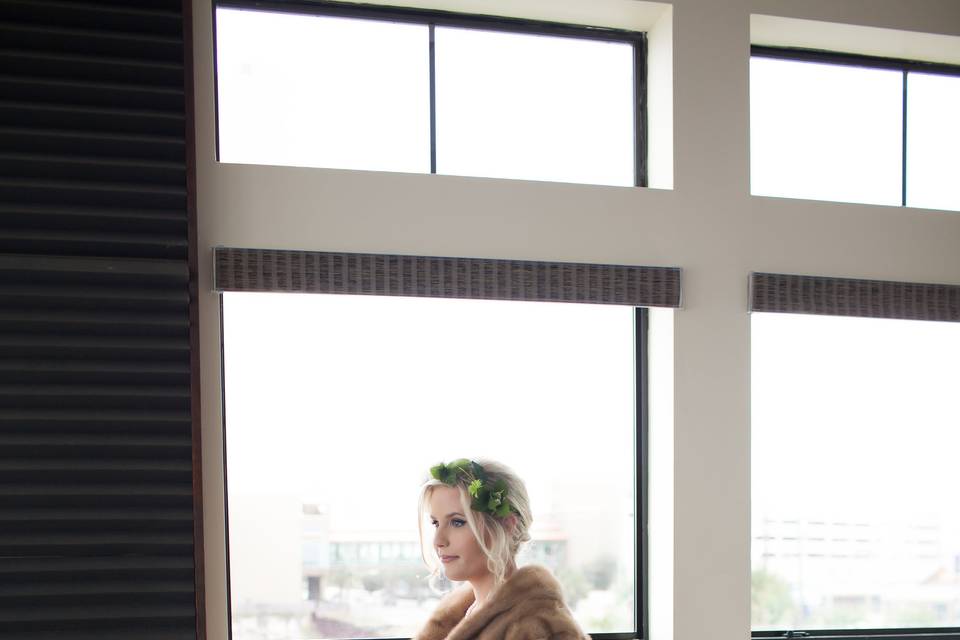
point(439, 540)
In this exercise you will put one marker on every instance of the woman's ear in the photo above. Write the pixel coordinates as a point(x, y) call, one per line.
point(510, 523)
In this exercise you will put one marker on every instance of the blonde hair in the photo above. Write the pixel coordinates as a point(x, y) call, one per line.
point(498, 541)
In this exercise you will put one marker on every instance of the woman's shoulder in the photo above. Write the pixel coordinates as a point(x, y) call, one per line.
point(545, 622)
point(449, 612)
point(534, 581)
point(539, 608)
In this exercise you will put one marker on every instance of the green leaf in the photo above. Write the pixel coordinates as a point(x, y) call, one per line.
point(445, 473)
point(503, 510)
point(474, 487)
point(478, 471)
point(461, 464)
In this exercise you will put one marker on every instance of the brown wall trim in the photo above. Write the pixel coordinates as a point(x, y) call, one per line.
point(848, 297)
point(193, 263)
point(378, 274)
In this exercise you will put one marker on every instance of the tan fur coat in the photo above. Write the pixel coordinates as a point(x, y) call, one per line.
point(528, 606)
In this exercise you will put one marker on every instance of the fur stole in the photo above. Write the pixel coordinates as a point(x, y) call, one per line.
point(528, 606)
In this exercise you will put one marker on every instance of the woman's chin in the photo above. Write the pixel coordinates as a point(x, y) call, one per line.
point(454, 575)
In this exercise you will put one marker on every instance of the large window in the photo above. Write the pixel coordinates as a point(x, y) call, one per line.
point(337, 405)
point(855, 434)
point(854, 129)
point(407, 90)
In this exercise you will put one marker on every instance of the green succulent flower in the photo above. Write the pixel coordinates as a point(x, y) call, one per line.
point(474, 487)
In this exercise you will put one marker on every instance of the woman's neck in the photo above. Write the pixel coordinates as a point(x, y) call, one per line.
point(483, 585)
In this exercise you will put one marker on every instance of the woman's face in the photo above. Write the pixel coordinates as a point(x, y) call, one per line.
point(457, 548)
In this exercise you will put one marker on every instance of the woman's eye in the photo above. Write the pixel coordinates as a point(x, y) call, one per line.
point(457, 522)
point(434, 523)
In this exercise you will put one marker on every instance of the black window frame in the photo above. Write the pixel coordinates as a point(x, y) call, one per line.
point(641, 351)
point(905, 66)
point(833, 296)
point(432, 18)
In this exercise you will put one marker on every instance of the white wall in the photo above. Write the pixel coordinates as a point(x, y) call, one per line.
point(708, 224)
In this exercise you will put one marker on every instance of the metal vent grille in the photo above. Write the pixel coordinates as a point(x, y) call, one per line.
point(96, 476)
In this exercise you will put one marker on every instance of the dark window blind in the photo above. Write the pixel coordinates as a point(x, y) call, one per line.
point(97, 501)
point(439, 277)
point(786, 293)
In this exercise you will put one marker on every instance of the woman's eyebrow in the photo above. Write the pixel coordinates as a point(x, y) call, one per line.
point(455, 513)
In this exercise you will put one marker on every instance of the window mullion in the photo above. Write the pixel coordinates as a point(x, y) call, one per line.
point(903, 145)
point(433, 100)
point(640, 112)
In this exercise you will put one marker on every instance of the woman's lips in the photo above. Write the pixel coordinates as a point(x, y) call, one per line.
point(446, 559)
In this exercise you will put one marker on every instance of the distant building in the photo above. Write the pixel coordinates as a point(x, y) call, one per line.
point(859, 564)
point(332, 556)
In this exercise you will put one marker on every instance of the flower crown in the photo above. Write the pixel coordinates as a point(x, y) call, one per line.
point(488, 497)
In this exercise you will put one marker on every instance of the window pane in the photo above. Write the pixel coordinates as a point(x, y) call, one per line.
point(534, 107)
point(336, 407)
point(322, 92)
point(825, 132)
point(933, 137)
point(855, 433)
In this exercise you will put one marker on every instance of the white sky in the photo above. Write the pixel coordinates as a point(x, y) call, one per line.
point(340, 397)
point(825, 132)
point(829, 132)
point(286, 95)
point(349, 400)
point(933, 176)
point(534, 107)
point(855, 418)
